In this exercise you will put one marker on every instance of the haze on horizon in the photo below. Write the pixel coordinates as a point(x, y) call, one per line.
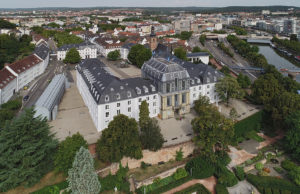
point(143, 3)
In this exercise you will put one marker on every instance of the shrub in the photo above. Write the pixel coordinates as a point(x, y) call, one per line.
point(288, 165)
point(272, 182)
point(226, 177)
point(275, 191)
point(179, 155)
point(268, 191)
point(279, 170)
point(157, 180)
point(171, 185)
point(180, 173)
point(52, 189)
point(223, 158)
point(143, 165)
point(221, 189)
point(259, 166)
point(239, 172)
point(262, 173)
point(200, 168)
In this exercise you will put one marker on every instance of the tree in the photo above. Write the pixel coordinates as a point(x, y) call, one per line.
point(6, 24)
point(244, 81)
point(120, 138)
point(72, 56)
point(185, 35)
point(228, 88)
point(202, 39)
point(294, 37)
point(139, 54)
point(82, 176)
point(26, 147)
point(151, 136)
point(225, 70)
point(202, 105)
point(292, 137)
point(67, 150)
point(180, 53)
point(196, 49)
point(212, 130)
point(144, 114)
point(114, 55)
point(295, 175)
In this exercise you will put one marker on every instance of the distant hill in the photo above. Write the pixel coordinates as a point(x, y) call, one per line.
point(167, 10)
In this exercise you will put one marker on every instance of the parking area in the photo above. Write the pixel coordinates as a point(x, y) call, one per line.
point(243, 108)
point(73, 116)
point(177, 131)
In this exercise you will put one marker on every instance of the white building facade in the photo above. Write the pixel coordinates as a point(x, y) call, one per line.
point(86, 51)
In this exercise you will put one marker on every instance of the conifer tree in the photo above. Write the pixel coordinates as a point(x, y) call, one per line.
point(26, 151)
point(144, 114)
point(82, 176)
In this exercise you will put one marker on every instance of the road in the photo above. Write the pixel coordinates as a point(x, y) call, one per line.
point(36, 90)
point(228, 61)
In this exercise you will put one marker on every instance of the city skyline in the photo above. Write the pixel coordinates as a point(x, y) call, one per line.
point(137, 3)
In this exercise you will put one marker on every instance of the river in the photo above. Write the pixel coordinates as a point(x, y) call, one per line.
point(279, 62)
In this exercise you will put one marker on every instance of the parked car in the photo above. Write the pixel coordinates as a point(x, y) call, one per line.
point(26, 98)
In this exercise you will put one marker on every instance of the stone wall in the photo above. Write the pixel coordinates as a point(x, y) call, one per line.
point(162, 155)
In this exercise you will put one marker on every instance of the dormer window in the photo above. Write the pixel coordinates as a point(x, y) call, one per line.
point(145, 89)
point(129, 94)
point(118, 96)
point(106, 98)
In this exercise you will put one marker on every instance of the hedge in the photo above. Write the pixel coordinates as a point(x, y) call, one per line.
point(263, 183)
point(200, 168)
point(239, 172)
point(243, 127)
point(226, 177)
point(288, 165)
point(166, 187)
point(195, 188)
point(221, 189)
point(52, 189)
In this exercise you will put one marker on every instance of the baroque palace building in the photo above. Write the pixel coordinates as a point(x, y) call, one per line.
point(168, 84)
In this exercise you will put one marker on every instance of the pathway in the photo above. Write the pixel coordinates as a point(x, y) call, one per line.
point(209, 183)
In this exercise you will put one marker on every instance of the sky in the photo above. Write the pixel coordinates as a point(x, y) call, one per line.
point(142, 3)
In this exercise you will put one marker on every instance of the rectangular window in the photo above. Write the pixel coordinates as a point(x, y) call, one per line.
point(199, 87)
point(107, 114)
point(106, 107)
point(154, 97)
point(129, 109)
point(168, 88)
point(154, 103)
point(118, 104)
point(140, 99)
point(147, 98)
point(183, 98)
point(129, 102)
point(207, 92)
point(183, 84)
point(208, 86)
point(169, 101)
point(118, 112)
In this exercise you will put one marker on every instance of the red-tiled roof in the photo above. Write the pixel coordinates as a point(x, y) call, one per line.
point(5, 77)
point(24, 64)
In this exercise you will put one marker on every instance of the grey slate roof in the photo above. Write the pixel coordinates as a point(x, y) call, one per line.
point(77, 46)
point(164, 70)
point(106, 88)
point(198, 54)
point(198, 73)
point(42, 51)
point(49, 97)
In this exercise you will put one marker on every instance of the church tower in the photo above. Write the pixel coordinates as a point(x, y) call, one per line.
point(153, 39)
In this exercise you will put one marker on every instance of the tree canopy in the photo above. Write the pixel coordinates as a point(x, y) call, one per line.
point(26, 147)
point(212, 130)
point(66, 152)
point(114, 55)
point(139, 54)
point(180, 53)
point(7, 24)
point(196, 49)
point(82, 176)
point(120, 138)
point(228, 87)
point(151, 136)
point(12, 49)
point(72, 56)
point(244, 81)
